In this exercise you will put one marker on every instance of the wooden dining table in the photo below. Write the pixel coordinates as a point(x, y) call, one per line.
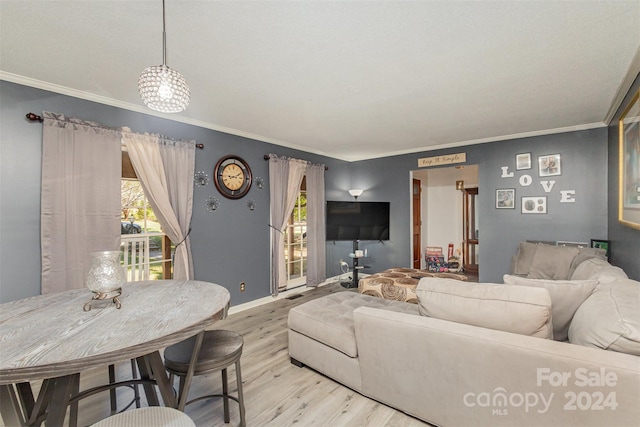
point(51, 338)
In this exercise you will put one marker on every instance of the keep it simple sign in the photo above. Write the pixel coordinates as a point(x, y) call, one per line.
point(447, 159)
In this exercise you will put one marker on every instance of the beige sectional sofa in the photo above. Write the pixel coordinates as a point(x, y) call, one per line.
point(482, 354)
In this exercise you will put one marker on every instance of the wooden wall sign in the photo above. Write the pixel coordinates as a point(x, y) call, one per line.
point(447, 159)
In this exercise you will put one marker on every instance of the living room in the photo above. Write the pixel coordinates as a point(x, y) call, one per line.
point(231, 245)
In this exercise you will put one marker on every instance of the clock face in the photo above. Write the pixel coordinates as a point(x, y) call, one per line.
point(232, 177)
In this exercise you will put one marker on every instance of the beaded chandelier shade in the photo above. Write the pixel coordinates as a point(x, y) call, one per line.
point(161, 88)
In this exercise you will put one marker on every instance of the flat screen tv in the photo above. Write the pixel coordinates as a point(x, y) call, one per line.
point(357, 220)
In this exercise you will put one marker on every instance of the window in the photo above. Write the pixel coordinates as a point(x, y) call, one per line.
point(295, 241)
point(145, 251)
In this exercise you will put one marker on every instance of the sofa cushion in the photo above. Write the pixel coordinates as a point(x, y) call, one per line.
point(566, 297)
point(585, 254)
point(598, 269)
point(552, 262)
point(522, 259)
point(329, 319)
point(610, 318)
point(519, 309)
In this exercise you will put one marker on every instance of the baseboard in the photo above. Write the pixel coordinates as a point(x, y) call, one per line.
point(285, 294)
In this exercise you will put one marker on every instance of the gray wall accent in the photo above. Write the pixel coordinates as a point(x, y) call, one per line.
point(625, 241)
point(231, 245)
point(584, 163)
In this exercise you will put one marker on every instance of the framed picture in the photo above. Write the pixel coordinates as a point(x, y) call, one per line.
point(629, 169)
point(573, 244)
point(505, 198)
point(534, 205)
point(602, 244)
point(549, 165)
point(523, 161)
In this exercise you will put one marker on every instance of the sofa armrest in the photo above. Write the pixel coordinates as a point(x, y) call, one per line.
point(453, 374)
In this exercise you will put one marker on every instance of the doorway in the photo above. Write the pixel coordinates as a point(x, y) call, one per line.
point(440, 209)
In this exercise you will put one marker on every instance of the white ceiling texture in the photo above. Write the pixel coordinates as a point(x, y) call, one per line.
point(347, 79)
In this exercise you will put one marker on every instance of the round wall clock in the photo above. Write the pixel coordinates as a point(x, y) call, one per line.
point(232, 177)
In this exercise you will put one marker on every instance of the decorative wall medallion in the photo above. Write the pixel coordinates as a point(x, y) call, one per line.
point(212, 204)
point(258, 182)
point(251, 204)
point(201, 178)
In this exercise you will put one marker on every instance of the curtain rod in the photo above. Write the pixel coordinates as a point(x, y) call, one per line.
point(36, 118)
point(268, 156)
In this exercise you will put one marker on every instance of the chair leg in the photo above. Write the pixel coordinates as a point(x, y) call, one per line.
point(181, 390)
point(225, 396)
point(134, 375)
point(112, 391)
point(240, 394)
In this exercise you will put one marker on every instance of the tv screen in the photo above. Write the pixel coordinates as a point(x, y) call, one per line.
point(357, 220)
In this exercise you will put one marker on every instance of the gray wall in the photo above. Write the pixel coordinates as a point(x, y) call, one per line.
point(584, 163)
point(231, 245)
point(625, 241)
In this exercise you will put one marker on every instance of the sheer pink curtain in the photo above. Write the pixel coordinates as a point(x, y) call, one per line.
point(285, 177)
point(80, 198)
point(165, 168)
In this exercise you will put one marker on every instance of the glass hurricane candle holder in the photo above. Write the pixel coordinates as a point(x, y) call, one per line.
point(105, 277)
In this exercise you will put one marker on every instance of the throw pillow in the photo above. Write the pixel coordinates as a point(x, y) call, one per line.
point(610, 318)
point(585, 254)
point(518, 309)
point(523, 258)
point(566, 297)
point(552, 262)
point(598, 269)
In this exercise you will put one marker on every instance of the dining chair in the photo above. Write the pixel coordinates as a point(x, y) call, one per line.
point(156, 416)
point(219, 350)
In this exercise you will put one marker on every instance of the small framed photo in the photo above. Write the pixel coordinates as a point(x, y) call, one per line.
point(534, 205)
point(523, 161)
point(602, 244)
point(572, 244)
point(505, 198)
point(549, 165)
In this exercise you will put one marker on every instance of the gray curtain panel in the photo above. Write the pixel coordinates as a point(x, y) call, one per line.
point(80, 198)
point(316, 248)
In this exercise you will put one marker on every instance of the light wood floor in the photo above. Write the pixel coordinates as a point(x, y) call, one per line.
point(276, 392)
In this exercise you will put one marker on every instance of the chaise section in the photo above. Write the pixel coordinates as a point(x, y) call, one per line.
point(322, 335)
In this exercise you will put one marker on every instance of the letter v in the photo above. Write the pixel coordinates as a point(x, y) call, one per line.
point(547, 185)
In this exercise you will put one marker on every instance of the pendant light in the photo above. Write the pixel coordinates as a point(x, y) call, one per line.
point(161, 88)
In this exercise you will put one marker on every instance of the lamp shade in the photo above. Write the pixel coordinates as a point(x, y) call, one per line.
point(163, 89)
point(355, 192)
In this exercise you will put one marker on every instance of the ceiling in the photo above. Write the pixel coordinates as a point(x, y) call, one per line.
point(346, 79)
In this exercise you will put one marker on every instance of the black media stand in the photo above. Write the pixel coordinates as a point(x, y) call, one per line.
point(356, 267)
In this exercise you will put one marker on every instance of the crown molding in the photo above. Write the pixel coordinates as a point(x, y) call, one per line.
point(39, 84)
point(632, 73)
point(63, 90)
point(486, 140)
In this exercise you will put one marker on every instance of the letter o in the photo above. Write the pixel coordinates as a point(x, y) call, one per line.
point(526, 180)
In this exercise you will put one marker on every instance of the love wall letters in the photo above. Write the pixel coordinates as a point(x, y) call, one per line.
point(566, 196)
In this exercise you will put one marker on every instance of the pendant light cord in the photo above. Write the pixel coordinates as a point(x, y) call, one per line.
point(164, 37)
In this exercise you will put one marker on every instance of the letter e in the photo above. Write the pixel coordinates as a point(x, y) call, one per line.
point(567, 196)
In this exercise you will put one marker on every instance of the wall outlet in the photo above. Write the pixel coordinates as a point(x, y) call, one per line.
point(242, 286)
